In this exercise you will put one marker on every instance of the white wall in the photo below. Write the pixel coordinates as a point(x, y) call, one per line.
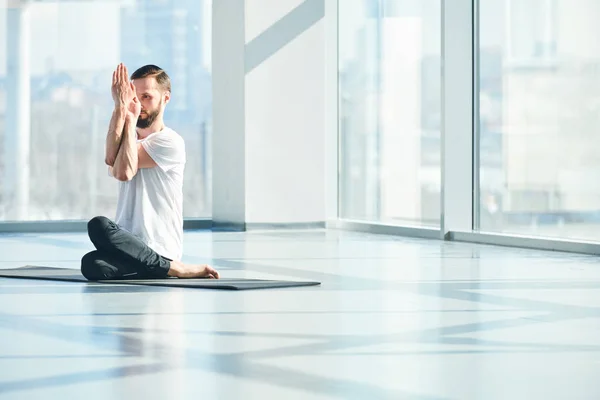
point(282, 120)
point(285, 124)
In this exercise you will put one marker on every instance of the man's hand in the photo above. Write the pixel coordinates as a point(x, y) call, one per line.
point(122, 88)
point(123, 94)
point(134, 107)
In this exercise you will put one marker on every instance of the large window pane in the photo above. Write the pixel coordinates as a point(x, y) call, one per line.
point(389, 71)
point(540, 113)
point(52, 137)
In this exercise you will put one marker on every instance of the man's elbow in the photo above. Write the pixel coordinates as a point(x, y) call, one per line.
point(123, 176)
point(110, 161)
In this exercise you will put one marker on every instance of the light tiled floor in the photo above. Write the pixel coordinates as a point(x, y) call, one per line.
point(394, 318)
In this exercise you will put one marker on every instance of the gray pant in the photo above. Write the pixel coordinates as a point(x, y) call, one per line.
point(120, 255)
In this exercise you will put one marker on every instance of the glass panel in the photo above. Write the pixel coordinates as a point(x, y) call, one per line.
point(56, 63)
point(539, 111)
point(389, 72)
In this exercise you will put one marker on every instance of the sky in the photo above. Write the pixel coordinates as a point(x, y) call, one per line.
point(73, 36)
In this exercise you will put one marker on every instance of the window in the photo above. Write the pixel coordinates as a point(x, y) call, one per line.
point(389, 72)
point(52, 137)
point(531, 34)
point(539, 165)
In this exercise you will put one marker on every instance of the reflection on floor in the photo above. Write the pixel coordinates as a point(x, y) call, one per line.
point(394, 318)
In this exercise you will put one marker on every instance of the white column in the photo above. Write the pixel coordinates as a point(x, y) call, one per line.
point(269, 112)
point(458, 174)
point(229, 129)
point(18, 124)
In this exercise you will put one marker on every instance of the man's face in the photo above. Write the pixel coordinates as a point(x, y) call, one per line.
point(152, 99)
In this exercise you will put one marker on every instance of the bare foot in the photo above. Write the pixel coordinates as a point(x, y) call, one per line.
point(188, 271)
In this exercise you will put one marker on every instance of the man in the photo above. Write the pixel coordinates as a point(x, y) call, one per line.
point(146, 239)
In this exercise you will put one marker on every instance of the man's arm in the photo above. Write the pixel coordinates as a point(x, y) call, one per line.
point(126, 162)
point(115, 134)
point(131, 155)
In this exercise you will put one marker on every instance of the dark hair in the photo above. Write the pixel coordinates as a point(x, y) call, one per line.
point(158, 73)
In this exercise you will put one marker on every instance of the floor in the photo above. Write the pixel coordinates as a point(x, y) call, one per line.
point(394, 318)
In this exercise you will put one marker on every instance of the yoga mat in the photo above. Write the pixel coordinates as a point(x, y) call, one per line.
point(74, 275)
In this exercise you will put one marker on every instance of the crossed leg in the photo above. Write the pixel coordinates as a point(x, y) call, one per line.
point(120, 255)
point(98, 265)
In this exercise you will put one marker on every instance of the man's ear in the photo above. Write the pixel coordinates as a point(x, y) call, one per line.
point(167, 97)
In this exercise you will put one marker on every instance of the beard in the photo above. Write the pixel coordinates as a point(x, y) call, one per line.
point(149, 119)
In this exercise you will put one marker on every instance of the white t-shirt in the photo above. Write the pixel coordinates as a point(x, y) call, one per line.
point(150, 205)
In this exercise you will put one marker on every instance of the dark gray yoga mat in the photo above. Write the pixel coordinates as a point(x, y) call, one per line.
point(74, 275)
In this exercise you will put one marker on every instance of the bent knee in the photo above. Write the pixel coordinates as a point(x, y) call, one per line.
point(90, 268)
point(97, 224)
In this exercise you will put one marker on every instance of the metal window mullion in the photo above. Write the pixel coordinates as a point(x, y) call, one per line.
point(457, 116)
